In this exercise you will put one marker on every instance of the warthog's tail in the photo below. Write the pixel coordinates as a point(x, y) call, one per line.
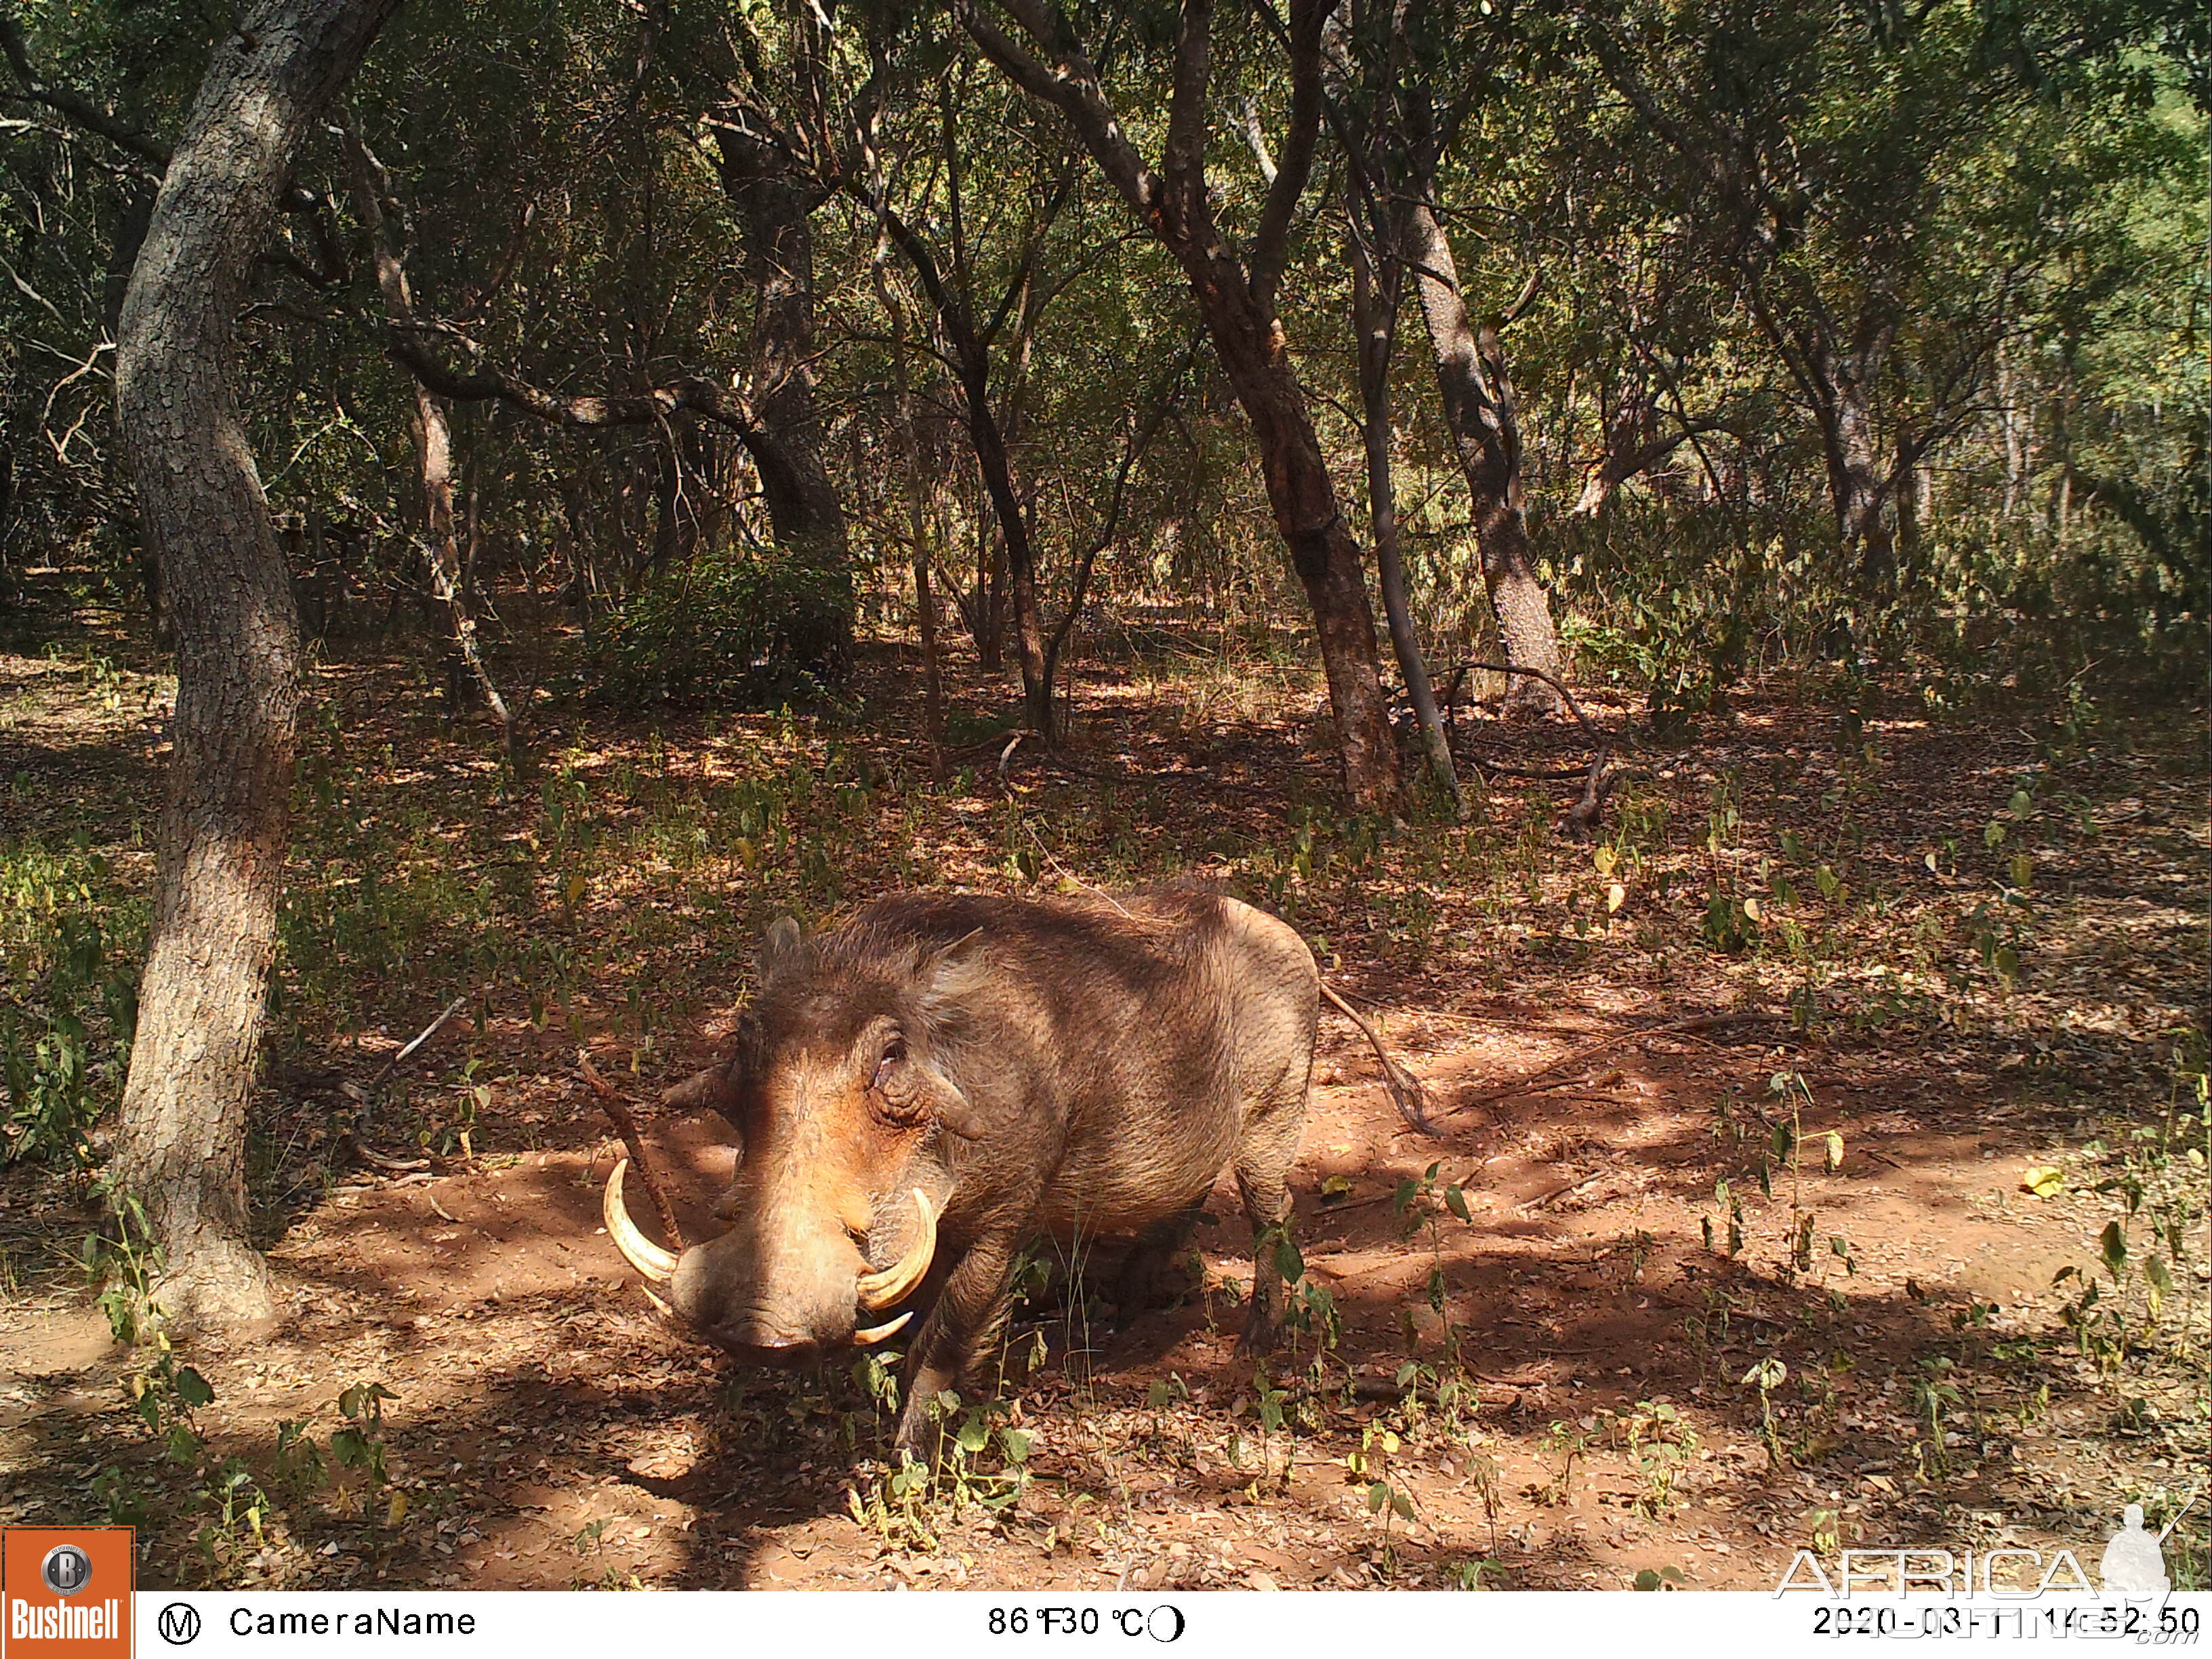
point(1406, 1092)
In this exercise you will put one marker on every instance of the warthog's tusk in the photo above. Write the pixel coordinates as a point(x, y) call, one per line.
point(877, 1333)
point(880, 1290)
point(640, 1252)
point(659, 1304)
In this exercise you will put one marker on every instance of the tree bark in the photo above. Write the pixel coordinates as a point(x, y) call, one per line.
point(1480, 409)
point(1860, 485)
point(181, 1146)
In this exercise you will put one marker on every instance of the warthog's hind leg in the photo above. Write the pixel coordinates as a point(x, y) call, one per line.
point(1263, 1173)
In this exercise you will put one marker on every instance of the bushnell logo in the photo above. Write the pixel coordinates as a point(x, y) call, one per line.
point(66, 1570)
point(65, 1592)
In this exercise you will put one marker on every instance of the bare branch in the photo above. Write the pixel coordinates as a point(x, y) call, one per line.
point(74, 106)
point(689, 395)
point(1270, 242)
point(1070, 85)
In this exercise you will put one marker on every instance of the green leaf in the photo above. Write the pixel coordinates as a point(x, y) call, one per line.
point(1288, 1261)
point(193, 1389)
point(1378, 1496)
point(2113, 1247)
point(1455, 1201)
point(1016, 1444)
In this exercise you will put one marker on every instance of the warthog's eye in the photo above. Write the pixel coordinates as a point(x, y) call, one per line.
point(894, 1057)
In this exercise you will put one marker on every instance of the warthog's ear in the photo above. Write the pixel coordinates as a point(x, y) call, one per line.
point(952, 973)
point(947, 981)
point(780, 950)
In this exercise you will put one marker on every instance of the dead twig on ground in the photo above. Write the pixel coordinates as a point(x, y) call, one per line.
point(1521, 1085)
point(363, 1096)
point(420, 1038)
point(1537, 1203)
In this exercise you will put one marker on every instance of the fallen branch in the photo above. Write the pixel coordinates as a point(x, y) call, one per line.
point(420, 1038)
point(356, 1138)
point(1537, 1203)
point(1557, 684)
point(626, 1127)
point(1521, 1085)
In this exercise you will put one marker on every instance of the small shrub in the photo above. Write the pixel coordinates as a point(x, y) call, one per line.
point(727, 630)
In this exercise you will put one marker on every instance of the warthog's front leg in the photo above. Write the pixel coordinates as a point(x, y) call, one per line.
point(964, 1324)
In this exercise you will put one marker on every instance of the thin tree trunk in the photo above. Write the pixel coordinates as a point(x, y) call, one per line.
point(1375, 297)
point(1479, 408)
point(181, 1146)
point(1859, 480)
point(917, 526)
point(1313, 527)
point(1236, 294)
point(433, 456)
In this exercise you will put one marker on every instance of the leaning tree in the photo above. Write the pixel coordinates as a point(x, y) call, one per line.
point(181, 1147)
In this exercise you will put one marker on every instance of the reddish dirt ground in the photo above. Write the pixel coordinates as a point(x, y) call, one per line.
point(1595, 1416)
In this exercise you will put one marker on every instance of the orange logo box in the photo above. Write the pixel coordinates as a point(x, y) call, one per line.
point(65, 1592)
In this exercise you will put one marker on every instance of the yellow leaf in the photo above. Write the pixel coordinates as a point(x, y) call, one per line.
point(396, 1511)
point(1615, 897)
point(2043, 1180)
point(1835, 1152)
point(1750, 908)
point(1605, 858)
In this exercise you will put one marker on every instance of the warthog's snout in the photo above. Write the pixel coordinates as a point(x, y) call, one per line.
point(777, 1295)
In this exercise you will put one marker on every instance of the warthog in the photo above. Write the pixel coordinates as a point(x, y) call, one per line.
point(919, 1092)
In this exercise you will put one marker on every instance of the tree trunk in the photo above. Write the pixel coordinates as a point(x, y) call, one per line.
point(433, 457)
point(917, 527)
point(1859, 480)
point(774, 205)
point(1479, 408)
point(1375, 297)
point(1313, 528)
point(1235, 296)
point(181, 1146)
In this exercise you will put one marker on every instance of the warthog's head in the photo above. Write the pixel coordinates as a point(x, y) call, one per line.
point(837, 1098)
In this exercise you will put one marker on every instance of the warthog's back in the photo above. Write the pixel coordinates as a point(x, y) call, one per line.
point(1146, 1031)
